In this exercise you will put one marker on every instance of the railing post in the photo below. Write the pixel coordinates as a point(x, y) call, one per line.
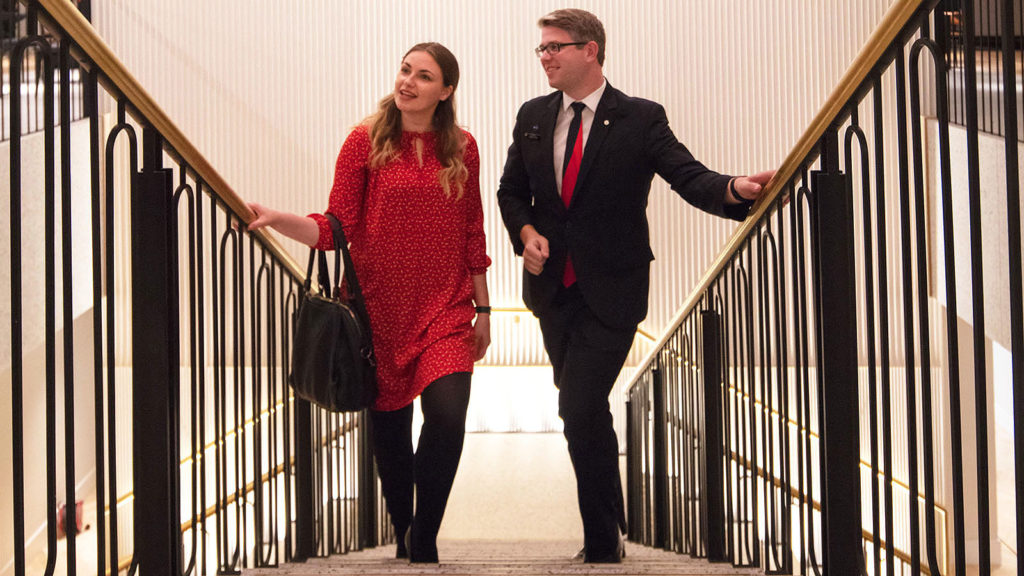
point(367, 485)
point(155, 365)
point(304, 521)
point(632, 446)
point(660, 464)
point(838, 364)
point(713, 486)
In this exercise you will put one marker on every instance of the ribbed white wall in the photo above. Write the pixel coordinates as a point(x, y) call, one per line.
point(268, 91)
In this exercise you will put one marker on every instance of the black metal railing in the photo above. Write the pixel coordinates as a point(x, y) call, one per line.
point(824, 402)
point(18, 21)
point(987, 17)
point(148, 347)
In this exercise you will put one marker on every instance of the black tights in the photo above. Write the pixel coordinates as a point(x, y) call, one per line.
point(431, 469)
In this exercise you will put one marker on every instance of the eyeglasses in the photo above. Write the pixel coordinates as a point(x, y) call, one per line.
point(555, 47)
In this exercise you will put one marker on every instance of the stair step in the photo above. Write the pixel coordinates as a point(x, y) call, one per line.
point(521, 558)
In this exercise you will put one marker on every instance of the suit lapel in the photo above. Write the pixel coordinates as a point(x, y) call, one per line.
point(603, 120)
point(547, 129)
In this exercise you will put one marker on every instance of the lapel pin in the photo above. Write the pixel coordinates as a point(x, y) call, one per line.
point(606, 122)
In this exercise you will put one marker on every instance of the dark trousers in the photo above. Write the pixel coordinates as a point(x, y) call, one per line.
point(587, 356)
point(431, 469)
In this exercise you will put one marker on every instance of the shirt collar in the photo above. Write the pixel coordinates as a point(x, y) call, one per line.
point(591, 101)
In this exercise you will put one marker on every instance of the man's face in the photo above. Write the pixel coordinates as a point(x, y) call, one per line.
point(566, 69)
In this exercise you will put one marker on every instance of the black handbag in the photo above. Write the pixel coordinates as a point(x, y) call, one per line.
point(333, 365)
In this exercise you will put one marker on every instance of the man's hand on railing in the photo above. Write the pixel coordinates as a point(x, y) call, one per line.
point(747, 188)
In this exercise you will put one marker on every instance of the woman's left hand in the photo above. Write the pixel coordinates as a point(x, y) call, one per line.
point(481, 335)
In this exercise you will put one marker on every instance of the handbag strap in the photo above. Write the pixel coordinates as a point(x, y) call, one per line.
point(322, 280)
point(323, 276)
point(351, 280)
point(341, 251)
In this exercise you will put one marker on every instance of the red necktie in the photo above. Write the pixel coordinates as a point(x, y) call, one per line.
point(571, 170)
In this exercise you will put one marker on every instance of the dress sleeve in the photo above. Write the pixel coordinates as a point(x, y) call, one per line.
point(476, 244)
point(349, 189)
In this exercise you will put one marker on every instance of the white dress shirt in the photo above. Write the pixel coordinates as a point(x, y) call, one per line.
point(562, 126)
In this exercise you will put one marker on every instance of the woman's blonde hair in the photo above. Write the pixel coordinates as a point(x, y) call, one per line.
point(385, 126)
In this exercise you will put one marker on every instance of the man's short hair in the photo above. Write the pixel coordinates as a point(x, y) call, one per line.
point(580, 24)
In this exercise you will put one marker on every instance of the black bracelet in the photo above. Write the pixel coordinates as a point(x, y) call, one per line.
point(483, 309)
point(735, 196)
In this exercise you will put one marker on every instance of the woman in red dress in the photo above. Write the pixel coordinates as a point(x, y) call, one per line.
point(407, 191)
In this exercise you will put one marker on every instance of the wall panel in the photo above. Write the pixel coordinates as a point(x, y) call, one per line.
point(268, 91)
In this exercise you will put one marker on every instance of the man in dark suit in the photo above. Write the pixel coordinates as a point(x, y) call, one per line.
point(573, 197)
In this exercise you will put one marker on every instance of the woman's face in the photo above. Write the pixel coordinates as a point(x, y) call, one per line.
point(419, 85)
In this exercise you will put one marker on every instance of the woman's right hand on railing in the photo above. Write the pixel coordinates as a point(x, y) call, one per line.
point(301, 228)
point(264, 216)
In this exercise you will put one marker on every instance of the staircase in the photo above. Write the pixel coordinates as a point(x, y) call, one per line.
point(518, 557)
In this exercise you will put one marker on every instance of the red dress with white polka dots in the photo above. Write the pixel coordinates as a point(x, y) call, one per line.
point(414, 250)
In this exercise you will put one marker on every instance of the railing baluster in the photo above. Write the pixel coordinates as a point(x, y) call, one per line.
point(883, 323)
point(632, 452)
point(745, 454)
point(714, 501)
point(201, 320)
point(660, 464)
point(304, 481)
point(910, 364)
point(219, 423)
point(111, 323)
point(288, 436)
point(854, 132)
point(68, 319)
point(922, 290)
point(782, 361)
point(804, 216)
point(185, 191)
point(676, 447)
point(752, 409)
point(98, 267)
point(977, 289)
point(767, 290)
point(50, 259)
point(17, 353)
point(1010, 138)
point(329, 464)
point(368, 485)
point(238, 315)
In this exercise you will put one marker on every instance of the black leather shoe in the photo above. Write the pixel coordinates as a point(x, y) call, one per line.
point(613, 557)
point(419, 552)
point(402, 546)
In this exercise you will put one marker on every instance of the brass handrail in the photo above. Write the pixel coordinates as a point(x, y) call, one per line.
point(894, 21)
point(116, 78)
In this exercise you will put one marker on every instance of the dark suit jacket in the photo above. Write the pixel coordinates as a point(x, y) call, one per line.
point(605, 226)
